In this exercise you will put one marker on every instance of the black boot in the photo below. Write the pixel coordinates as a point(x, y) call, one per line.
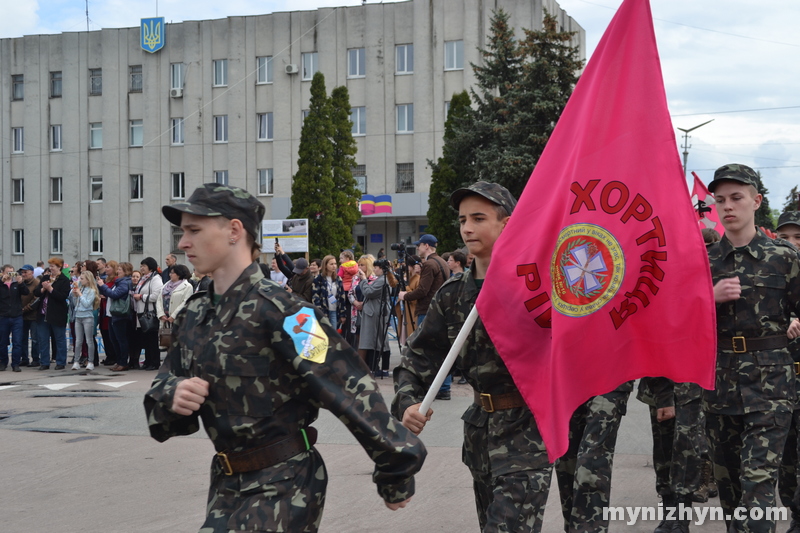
point(794, 525)
point(682, 520)
point(665, 526)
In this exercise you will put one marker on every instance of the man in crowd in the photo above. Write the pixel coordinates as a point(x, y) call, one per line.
point(39, 270)
point(12, 289)
point(457, 262)
point(171, 260)
point(756, 288)
point(29, 318)
point(302, 282)
point(101, 268)
point(255, 362)
point(502, 444)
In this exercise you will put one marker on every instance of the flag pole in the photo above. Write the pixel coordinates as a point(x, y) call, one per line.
point(469, 323)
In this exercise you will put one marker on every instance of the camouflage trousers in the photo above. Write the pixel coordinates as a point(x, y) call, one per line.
point(747, 451)
point(513, 502)
point(584, 472)
point(287, 497)
point(787, 474)
point(679, 445)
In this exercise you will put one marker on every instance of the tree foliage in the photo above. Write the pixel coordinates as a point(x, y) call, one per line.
point(791, 202)
point(764, 213)
point(345, 188)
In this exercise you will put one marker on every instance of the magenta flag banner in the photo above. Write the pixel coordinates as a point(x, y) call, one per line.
point(601, 275)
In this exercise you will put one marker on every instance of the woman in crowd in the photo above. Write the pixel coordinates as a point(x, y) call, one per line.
point(328, 292)
point(314, 267)
point(347, 270)
point(356, 298)
point(413, 270)
point(145, 298)
point(136, 275)
point(120, 322)
point(85, 299)
point(174, 294)
point(105, 315)
point(74, 276)
point(375, 317)
point(51, 319)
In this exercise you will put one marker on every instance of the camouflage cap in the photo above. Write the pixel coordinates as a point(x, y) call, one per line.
point(734, 172)
point(497, 194)
point(789, 217)
point(214, 200)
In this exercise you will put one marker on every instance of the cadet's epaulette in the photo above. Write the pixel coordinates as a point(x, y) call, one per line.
point(198, 294)
point(783, 242)
point(454, 278)
point(267, 287)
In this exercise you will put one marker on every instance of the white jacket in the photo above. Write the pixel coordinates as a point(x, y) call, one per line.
point(176, 301)
point(151, 293)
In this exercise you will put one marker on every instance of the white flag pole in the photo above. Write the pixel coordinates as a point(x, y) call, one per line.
point(469, 323)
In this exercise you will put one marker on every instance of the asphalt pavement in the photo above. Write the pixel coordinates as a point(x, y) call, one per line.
point(77, 457)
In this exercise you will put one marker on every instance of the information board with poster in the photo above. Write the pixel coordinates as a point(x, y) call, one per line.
point(292, 234)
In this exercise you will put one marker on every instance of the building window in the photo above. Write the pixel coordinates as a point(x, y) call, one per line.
point(356, 63)
point(221, 129)
point(137, 187)
point(17, 87)
point(264, 69)
point(265, 182)
point(358, 116)
point(137, 239)
point(303, 117)
point(136, 78)
point(95, 81)
point(310, 66)
point(55, 138)
point(18, 137)
point(55, 84)
point(264, 124)
point(360, 174)
point(176, 71)
point(405, 177)
point(446, 109)
point(96, 135)
point(454, 55)
point(56, 240)
point(19, 241)
point(56, 191)
point(405, 118)
point(177, 131)
point(221, 177)
point(220, 72)
point(17, 191)
point(137, 133)
point(177, 235)
point(96, 188)
point(178, 186)
point(405, 59)
point(97, 240)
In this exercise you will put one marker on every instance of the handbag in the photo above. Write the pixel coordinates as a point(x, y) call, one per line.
point(148, 321)
point(165, 335)
point(120, 307)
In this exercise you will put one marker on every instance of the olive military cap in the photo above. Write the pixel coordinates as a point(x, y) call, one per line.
point(497, 194)
point(734, 172)
point(789, 217)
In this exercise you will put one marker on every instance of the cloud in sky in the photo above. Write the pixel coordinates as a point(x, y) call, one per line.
point(715, 57)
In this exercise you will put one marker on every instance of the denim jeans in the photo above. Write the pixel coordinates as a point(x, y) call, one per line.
point(10, 326)
point(332, 316)
point(59, 333)
point(119, 336)
point(29, 330)
point(84, 330)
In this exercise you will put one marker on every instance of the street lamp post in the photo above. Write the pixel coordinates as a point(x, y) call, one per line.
point(686, 143)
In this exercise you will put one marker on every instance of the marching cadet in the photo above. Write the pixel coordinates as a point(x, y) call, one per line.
point(756, 289)
point(256, 363)
point(502, 444)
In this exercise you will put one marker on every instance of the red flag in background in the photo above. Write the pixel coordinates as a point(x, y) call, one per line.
point(600, 276)
point(703, 202)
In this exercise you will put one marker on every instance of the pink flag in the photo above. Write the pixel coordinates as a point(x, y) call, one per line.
point(601, 276)
point(704, 202)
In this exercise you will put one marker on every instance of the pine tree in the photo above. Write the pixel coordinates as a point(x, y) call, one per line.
point(345, 188)
point(791, 203)
point(312, 186)
point(448, 173)
point(764, 213)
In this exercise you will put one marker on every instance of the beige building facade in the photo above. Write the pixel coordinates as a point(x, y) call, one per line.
point(99, 134)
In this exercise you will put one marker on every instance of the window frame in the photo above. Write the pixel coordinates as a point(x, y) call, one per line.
point(179, 179)
point(360, 175)
point(181, 75)
point(268, 180)
point(96, 241)
point(95, 75)
point(456, 49)
point(220, 135)
point(18, 140)
point(95, 127)
point(219, 73)
point(223, 175)
point(136, 186)
point(138, 233)
point(404, 109)
point(398, 170)
point(406, 55)
point(264, 125)
point(135, 72)
point(17, 87)
point(361, 113)
point(264, 70)
point(95, 184)
point(177, 131)
point(56, 84)
point(56, 139)
point(356, 57)
point(53, 190)
point(18, 242)
point(313, 59)
point(134, 126)
point(57, 237)
point(17, 191)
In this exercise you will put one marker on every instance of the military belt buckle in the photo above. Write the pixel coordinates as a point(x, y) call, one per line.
point(227, 469)
point(797, 368)
point(743, 342)
point(486, 403)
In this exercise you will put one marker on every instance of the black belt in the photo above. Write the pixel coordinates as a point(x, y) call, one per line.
point(267, 455)
point(497, 402)
point(752, 344)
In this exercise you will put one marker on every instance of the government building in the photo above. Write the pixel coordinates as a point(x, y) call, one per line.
point(99, 132)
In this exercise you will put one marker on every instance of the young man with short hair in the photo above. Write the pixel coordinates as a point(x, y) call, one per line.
point(756, 288)
point(255, 363)
point(502, 445)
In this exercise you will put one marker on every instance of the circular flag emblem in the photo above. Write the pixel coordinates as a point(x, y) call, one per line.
point(587, 269)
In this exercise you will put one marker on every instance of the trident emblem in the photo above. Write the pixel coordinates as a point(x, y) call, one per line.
point(152, 34)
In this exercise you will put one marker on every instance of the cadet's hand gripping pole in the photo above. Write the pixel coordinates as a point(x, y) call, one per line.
point(469, 323)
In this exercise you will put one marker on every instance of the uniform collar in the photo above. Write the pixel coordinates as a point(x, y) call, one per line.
point(233, 297)
point(755, 247)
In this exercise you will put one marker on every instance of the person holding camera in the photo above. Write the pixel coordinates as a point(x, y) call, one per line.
point(11, 292)
point(374, 341)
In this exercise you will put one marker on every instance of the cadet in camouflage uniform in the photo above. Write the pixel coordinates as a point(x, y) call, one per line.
point(679, 443)
point(584, 471)
point(256, 363)
point(502, 444)
point(756, 288)
point(789, 230)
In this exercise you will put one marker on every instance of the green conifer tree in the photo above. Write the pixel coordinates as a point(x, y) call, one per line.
point(312, 186)
point(345, 188)
point(764, 213)
point(791, 202)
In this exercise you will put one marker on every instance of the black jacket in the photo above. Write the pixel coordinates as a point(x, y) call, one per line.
point(57, 308)
point(10, 301)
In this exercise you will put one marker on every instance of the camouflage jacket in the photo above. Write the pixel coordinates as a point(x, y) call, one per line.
point(769, 273)
point(511, 435)
point(261, 389)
